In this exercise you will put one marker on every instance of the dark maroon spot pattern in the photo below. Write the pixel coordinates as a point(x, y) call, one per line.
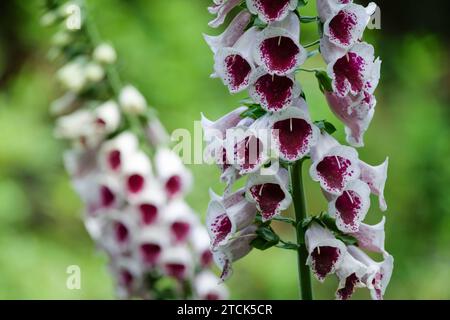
point(107, 197)
point(150, 253)
point(350, 284)
point(176, 270)
point(238, 71)
point(272, 9)
point(268, 196)
point(348, 206)
point(135, 183)
point(173, 185)
point(324, 259)
point(248, 152)
point(333, 170)
point(275, 91)
point(121, 231)
point(349, 69)
point(180, 230)
point(279, 54)
point(293, 137)
point(149, 213)
point(114, 160)
point(341, 26)
point(220, 227)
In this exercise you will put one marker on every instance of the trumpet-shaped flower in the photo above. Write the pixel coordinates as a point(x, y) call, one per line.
point(271, 10)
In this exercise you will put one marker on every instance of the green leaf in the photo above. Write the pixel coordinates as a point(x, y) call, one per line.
point(347, 239)
point(288, 246)
point(254, 111)
point(324, 81)
point(302, 3)
point(266, 239)
point(259, 23)
point(325, 126)
point(306, 19)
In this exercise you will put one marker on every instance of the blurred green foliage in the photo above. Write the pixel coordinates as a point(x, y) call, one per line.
point(162, 52)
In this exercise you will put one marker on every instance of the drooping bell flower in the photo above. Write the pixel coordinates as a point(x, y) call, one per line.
point(156, 133)
point(132, 101)
point(270, 193)
point(104, 53)
point(353, 72)
point(355, 112)
point(221, 8)
point(247, 148)
point(80, 163)
point(235, 65)
point(273, 92)
point(199, 239)
point(238, 247)
point(351, 207)
point(277, 47)
point(334, 166)
point(151, 243)
point(149, 204)
point(128, 275)
point(177, 262)
point(326, 253)
point(228, 215)
point(214, 135)
point(270, 11)
point(346, 28)
point(172, 173)
point(207, 287)
point(180, 219)
point(136, 171)
point(231, 34)
point(371, 238)
point(378, 274)
point(329, 8)
point(114, 152)
point(293, 133)
point(375, 177)
point(350, 275)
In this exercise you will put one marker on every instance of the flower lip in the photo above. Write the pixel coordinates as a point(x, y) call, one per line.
point(277, 48)
point(336, 169)
point(135, 183)
point(235, 68)
point(293, 134)
point(180, 230)
point(271, 10)
point(149, 213)
point(351, 207)
point(150, 253)
point(274, 93)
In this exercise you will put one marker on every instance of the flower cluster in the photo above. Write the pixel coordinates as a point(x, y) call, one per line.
point(131, 183)
point(260, 51)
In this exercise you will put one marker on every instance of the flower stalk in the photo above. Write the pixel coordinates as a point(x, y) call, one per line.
point(299, 201)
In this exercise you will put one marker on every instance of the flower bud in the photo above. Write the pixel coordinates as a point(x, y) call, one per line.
point(132, 101)
point(105, 54)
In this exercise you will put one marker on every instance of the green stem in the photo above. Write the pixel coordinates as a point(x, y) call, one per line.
point(298, 196)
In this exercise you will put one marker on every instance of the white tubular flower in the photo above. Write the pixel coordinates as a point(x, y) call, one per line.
point(132, 101)
point(136, 171)
point(118, 234)
point(110, 192)
point(129, 277)
point(114, 152)
point(75, 125)
point(94, 72)
point(64, 104)
point(233, 32)
point(351, 208)
point(151, 243)
point(156, 133)
point(235, 65)
point(72, 76)
point(80, 163)
point(350, 275)
point(199, 240)
point(378, 274)
point(270, 193)
point(247, 148)
point(277, 47)
point(149, 204)
point(326, 253)
point(275, 93)
point(207, 287)
point(375, 177)
point(221, 8)
point(180, 219)
point(293, 133)
point(356, 112)
point(107, 117)
point(346, 28)
point(270, 11)
point(177, 262)
point(105, 54)
point(174, 176)
point(227, 216)
point(238, 247)
point(329, 8)
point(334, 167)
point(371, 238)
point(354, 72)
